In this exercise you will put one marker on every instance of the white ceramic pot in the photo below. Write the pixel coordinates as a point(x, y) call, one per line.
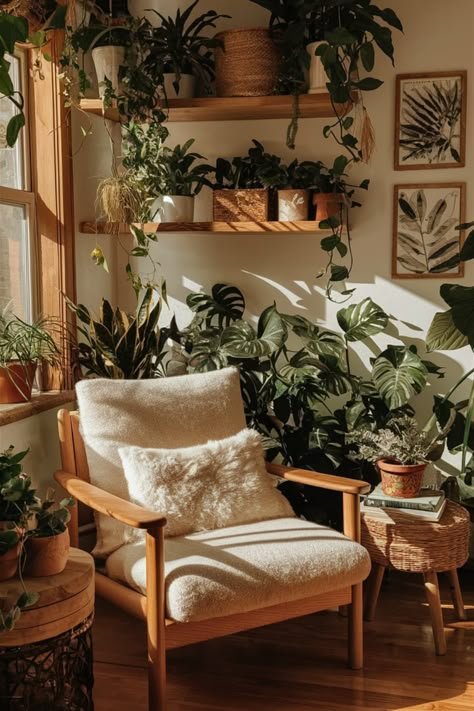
point(173, 208)
point(317, 74)
point(107, 62)
point(144, 8)
point(187, 86)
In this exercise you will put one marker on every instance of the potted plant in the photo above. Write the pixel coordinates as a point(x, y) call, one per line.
point(295, 183)
point(22, 347)
point(176, 180)
point(241, 188)
point(400, 451)
point(47, 544)
point(101, 351)
point(16, 499)
point(182, 53)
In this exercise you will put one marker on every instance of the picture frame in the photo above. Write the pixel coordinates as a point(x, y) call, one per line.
point(426, 243)
point(427, 105)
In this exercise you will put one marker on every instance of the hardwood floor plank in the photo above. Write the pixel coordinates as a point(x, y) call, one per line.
point(300, 665)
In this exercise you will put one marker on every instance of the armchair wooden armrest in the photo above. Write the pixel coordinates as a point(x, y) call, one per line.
point(323, 481)
point(350, 489)
point(109, 504)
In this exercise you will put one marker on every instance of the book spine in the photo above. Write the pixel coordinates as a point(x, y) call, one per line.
point(395, 504)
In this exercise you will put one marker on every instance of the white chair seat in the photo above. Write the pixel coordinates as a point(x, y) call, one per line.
point(243, 568)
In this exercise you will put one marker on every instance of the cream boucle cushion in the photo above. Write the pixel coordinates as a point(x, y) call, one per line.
point(168, 412)
point(221, 483)
point(243, 568)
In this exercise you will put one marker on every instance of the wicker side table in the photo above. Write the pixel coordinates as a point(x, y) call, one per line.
point(413, 545)
point(46, 660)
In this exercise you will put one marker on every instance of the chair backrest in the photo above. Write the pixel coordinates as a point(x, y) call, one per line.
point(172, 412)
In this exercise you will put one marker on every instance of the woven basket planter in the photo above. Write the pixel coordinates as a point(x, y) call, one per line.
point(241, 205)
point(248, 65)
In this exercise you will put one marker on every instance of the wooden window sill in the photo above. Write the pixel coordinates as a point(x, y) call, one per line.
point(39, 403)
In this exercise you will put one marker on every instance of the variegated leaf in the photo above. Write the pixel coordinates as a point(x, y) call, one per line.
point(443, 334)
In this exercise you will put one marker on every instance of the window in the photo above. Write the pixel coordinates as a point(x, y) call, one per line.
point(17, 208)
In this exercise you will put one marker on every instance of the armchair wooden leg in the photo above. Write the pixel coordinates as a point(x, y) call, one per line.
point(356, 633)
point(456, 594)
point(155, 562)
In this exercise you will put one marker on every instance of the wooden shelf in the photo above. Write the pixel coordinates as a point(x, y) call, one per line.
point(102, 228)
point(232, 109)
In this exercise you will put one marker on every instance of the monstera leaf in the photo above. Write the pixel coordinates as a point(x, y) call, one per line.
point(226, 303)
point(362, 320)
point(207, 355)
point(315, 340)
point(443, 335)
point(241, 340)
point(461, 300)
point(399, 374)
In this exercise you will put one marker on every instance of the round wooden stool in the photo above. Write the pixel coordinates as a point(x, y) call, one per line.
point(406, 543)
point(46, 660)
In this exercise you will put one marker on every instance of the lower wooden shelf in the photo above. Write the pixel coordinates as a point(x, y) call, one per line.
point(111, 228)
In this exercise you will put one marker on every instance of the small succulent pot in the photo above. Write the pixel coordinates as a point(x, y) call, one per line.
point(9, 563)
point(241, 205)
point(401, 480)
point(46, 555)
point(16, 382)
point(328, 205)
point(293, 205)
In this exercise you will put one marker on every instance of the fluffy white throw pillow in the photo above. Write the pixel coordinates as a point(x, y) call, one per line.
point(218, 484)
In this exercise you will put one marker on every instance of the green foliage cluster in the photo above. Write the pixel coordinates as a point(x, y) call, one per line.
point(400, 440)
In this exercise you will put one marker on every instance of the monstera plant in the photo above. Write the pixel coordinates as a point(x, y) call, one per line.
point(451, 330)
point(295, 375)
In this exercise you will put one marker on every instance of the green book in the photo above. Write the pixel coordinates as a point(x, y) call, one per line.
point(427, 500)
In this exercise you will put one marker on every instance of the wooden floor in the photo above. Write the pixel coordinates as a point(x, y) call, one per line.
point(300, 665)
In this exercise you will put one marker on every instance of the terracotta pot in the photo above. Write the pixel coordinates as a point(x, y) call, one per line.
point(16, 382)
point(328, 205)
point(293, 205)
point(46, 556)
point(401, 480)
point(9, 563)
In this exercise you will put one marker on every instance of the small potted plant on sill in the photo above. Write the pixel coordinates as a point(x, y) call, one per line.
point(22, 347)
point(242, 186)
point(182, 54)
point(47, 544)
point(400, 452)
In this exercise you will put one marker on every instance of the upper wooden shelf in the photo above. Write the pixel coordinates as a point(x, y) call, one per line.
point(232, 109)
point(93, 228)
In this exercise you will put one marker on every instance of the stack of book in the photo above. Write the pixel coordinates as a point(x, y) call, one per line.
point(429, 504)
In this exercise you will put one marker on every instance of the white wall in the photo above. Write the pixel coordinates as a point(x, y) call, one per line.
point(282, 268)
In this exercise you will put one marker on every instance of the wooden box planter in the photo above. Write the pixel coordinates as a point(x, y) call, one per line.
point(241, 205)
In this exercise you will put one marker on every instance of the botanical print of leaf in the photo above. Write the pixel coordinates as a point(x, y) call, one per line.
point(430, 121)
point(427, 241)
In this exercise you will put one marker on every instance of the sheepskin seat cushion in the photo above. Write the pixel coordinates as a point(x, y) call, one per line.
point(243, 568)
point(182, 411)
point(221, 483)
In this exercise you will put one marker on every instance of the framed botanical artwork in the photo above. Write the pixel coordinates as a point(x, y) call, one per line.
point(426, 243)
point(430, 130)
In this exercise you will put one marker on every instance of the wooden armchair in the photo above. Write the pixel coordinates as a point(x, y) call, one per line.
point(164, 633)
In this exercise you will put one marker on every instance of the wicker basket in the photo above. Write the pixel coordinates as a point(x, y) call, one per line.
point(248, 65)
point(413, 545)
point(241, 205)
